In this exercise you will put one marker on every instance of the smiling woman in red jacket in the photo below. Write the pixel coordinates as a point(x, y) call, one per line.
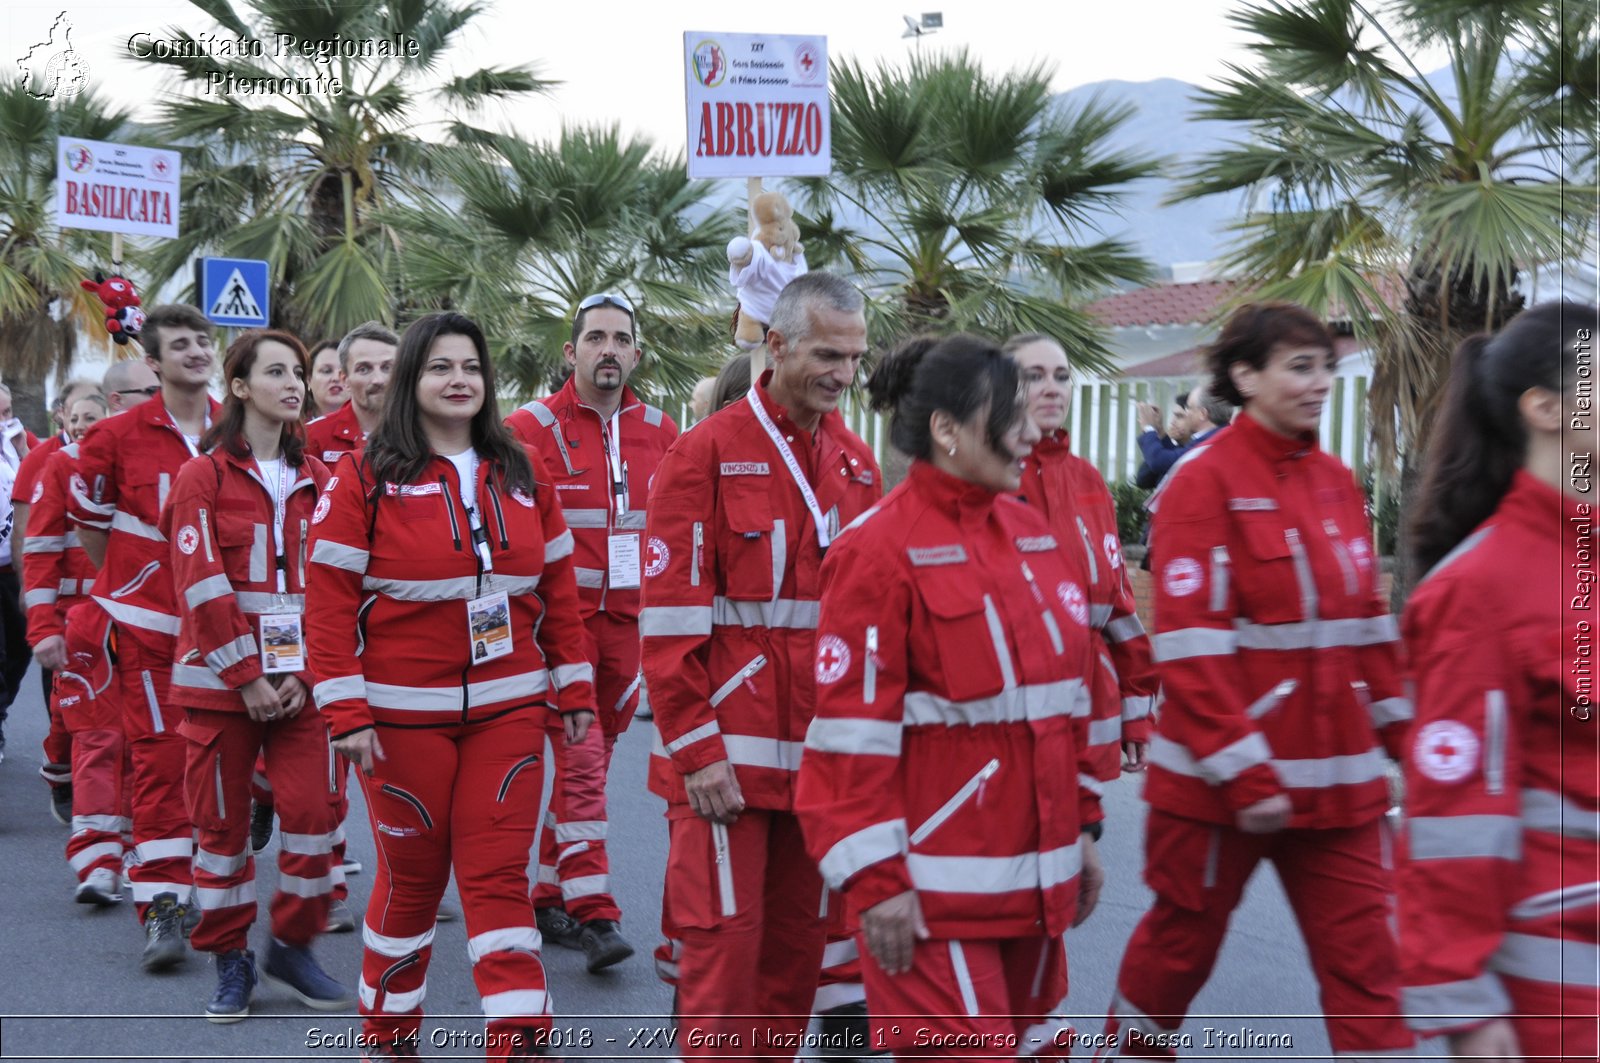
point(237, 522)
point(1072, 495)
point(938, 788)
point(1499, 903)
point(443, 629)
point(1280, 673)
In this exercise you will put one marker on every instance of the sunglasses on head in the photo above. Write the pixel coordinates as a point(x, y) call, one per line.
point(150, 392)
point(607, 299)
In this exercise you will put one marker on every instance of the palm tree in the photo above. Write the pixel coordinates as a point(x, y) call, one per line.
point(297, 178)
point(972, 190)
point(42, 307)
point(529, 229)
point(1365, 176)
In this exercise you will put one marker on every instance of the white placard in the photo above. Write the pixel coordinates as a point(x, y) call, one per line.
point(757, 105)
point(117, 188)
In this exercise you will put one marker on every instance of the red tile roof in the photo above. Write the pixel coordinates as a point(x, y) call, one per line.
point(1187, 363)
point(1164, 304)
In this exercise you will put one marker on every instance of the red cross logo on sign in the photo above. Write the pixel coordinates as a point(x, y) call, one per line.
point(1446, 751)
point(833, 659)
point(656, 556)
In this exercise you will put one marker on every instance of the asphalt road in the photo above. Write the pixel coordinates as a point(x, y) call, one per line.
point(71, 988)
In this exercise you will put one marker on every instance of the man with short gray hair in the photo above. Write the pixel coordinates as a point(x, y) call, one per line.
point(366, 355)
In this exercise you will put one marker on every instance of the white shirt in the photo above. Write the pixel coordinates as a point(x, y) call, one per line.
point(467, 476)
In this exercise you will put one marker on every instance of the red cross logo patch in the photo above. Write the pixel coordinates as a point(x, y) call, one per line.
point(188, 539)
point(1074, 602)
point(833, 659)
point(1446, 751)
point(656, 556)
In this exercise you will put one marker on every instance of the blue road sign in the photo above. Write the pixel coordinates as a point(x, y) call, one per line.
point(234, 291)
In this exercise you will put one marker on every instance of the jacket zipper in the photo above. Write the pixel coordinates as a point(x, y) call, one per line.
point(719, 836)
point(205, 535)
point(1351, 583)
point(150, 698)
point(1088, 549)
point(1219, 578)
point(1494, 755)
point(1302, 573)
point(952, 806)
point(499, 518)
point(1049, 621)
point(1271, 699)
point(699, 544)
point(304, 529)
point(333, 768)
point(222, 805)
point(741, 676)
point(869, 667)
point(450, 508)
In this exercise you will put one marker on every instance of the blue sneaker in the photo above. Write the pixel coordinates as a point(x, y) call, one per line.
point(292, 967)
point(236, 979)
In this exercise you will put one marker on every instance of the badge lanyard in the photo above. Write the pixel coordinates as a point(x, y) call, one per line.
point(793, 466)
point(480, 534)
point(280, 512)
point(194, 451)
point(618, 470)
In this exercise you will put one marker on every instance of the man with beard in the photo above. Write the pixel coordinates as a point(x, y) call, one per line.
point(601, 444)
point(366, 354)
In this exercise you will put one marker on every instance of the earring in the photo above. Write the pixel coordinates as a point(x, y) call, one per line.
point(952, 450)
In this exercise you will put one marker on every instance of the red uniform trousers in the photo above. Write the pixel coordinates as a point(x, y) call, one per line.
point(839, 985)
point(1555, 1023)
point(261, 794)
point(222, 751)
point(163, 834)
point(467, 795)
point(102, 769)
point(752, 928)
point(57, 744)
point(573, 867)
point(1340, 885)
point(981, 998)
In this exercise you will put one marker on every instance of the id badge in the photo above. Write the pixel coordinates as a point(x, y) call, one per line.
point(489, 622)
point(622, 557)
point(283, 644)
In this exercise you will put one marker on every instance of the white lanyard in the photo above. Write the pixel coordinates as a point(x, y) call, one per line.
point(795, 474)
point(476, 532)
point(615, 465)
point(194, 451)
point(280, 511)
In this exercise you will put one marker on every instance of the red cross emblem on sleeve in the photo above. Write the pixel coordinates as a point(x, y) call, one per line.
point(1446, 751)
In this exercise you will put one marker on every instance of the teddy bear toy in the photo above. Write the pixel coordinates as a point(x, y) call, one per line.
point(760, 265)
point(123, 316)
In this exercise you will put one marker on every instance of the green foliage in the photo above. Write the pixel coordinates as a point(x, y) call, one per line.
point(1132, 519)
point(1383, 510)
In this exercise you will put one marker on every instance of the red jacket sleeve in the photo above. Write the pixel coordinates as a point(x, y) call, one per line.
point(675, 622)
point(92, 497)
point(561, 634)
point(1196, 647)
point(1463, 808)
point(339, 555)
point(1383, 663)
point(44, 552)
point(224, 637)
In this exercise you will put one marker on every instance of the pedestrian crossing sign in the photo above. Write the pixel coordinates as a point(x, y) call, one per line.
point(234, 291)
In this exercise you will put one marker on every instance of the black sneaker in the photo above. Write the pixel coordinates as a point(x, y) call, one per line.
point(846, 1032)
point(602, 941)
point(341, 920)
point(163, 932)
point(260, 826)
point(292, 967)
point(191, 917)
point(236, 980)
point(557, 927)
point(61, 803)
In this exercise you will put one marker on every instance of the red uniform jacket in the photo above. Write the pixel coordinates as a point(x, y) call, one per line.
point(126, 468)
point(1072, 495)
point(1279, 662)
point(1502, 781)
point(221, 523)
point(32, 467)
point(732, 578)
point(392, 572)
point(948, 752)
point(332, 437)
point(56, 572)
point(574, 443)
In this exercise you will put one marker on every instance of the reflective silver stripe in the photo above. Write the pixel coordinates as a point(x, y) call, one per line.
point(1124, 628)
point(588, 830)
point(1090, 783)
point(1055, 633)
point(836, 953)
point(165, 849)
point(564, 675)
point(220, 864)
point(258, 553)
point(212, 900)
point(689, 738)
point(515, 1003)
point(44, 544)
point(394, 947)
point(102, 824)
point(558, 548)
point(399, 698)
point(590, 577)
point(628, 693)
point(349, 558)
point(541, 413)
point(958, 965)
point(339, 688)
point(192, 675)
point(1431, 1008)
point(69, 587)
point(796, 613)
point(853, 853)
point(1349, 770)
point(231, 653)
point(207, 590)
point(1105, 732)
point(138, 616)
point(633, 520)
point(754, 665)
point(90, 855)
point(1317, 634)
point(852, 735)
point(306, 844)
point(1136, 707)
point(584, 886)
point(587, 518)
point(72, 540)
point(393, 1003)
point(146, 892)
point(1193, 642)
point(1465, 837)
point(997, 633)
point(1219, 579)
point(1271, 699)
point(995, 874)
point(1550, 960)
point(127, 523)
point(1037, 701)
point(506, 939)
point(1494, 741)
point(662, 620)
point(259, 602)
point(1545, 810)
point(47, 596)
point(652, 415)
point(1099, 617)
point(1390, 710)
point(305, 887)
point(1558, 902)
point(1224, 765)
point(1302, 573)
point(753, 751)
point(457, 588)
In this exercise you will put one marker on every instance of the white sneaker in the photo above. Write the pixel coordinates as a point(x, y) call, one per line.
point(100, 888)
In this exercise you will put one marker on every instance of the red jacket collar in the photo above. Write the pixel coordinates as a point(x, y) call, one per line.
point(827, 426)
point(1536, 505)
point(154, 411)
point(568, 397)
point(1269, 443)
point(949, 493)
point(1056, 445)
